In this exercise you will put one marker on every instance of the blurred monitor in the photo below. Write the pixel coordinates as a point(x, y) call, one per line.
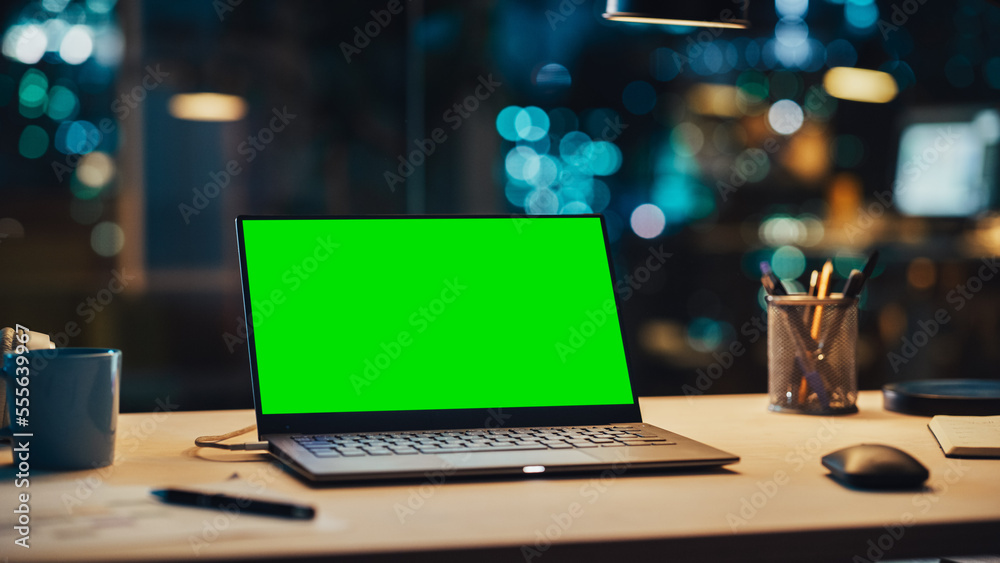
point(947, 162)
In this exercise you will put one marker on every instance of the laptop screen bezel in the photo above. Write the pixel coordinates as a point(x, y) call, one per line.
point(445, 419)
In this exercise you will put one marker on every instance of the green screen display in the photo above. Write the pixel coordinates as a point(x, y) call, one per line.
point(354, 315)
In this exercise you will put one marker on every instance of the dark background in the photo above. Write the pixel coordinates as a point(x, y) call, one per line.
point(179, 320)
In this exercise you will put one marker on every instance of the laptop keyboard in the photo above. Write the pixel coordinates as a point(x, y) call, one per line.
point(490, 440)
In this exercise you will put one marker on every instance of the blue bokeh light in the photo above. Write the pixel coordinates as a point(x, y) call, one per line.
point(516, 192)
point(505, 122)
point(542, 202)
point(77, 137)
point(575, 208)
point(840, 52)
point(603, 158)
point(639, 97)
point(861, 17)
point(791, 8)
point(516, 160)
point(531, 123)
point(541, 171)
point(562, 121)
point(553, 75)
point(991, 70)
point(665, 64)
point(704, 334)
point(601, 196)
point(788, 262)
point(572, 142)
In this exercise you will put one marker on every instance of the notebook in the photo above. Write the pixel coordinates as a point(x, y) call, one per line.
point(406, 346)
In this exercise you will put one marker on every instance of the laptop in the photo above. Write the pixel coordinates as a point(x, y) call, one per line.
point(401, 347)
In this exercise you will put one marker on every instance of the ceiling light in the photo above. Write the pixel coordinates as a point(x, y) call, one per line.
point(702, 13)
point(860, 85)
point(207, 106)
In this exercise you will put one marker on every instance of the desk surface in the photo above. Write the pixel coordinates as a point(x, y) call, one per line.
point(777, 504)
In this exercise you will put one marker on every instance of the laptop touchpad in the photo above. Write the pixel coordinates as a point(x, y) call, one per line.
point(508, 459)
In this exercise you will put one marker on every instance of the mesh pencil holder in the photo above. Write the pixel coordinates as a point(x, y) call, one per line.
point(811, 354)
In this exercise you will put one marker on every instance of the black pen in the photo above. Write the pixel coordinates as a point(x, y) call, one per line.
point(854, 284)
point(869, 268)
point(770, 281)
point(235, 504)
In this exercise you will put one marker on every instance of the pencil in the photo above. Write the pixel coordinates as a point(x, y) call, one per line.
point(812, 292)
point(821, 291)
point(812, 283)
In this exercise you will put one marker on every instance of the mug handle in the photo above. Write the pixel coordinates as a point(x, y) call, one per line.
point(17, 340)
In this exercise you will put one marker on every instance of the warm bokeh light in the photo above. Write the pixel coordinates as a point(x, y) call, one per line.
point(844, 197)
point(107, 238)
point(207, 106)
point(860, 85)
point(713, 99)
point(921, 273)
point(808, 156)
point(95, 169)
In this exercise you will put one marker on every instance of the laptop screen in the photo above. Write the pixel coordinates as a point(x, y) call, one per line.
point(402, 313)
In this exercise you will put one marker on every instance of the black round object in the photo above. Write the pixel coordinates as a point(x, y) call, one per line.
point(961, 397)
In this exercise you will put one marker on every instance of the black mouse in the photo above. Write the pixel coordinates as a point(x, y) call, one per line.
point(875, 466)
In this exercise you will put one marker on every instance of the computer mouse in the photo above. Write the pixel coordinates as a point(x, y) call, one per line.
point(875, 466)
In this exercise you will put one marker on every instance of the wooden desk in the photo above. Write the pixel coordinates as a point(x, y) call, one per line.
point(776, 504)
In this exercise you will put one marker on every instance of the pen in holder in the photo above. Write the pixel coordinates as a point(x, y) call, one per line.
point(811, 344)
